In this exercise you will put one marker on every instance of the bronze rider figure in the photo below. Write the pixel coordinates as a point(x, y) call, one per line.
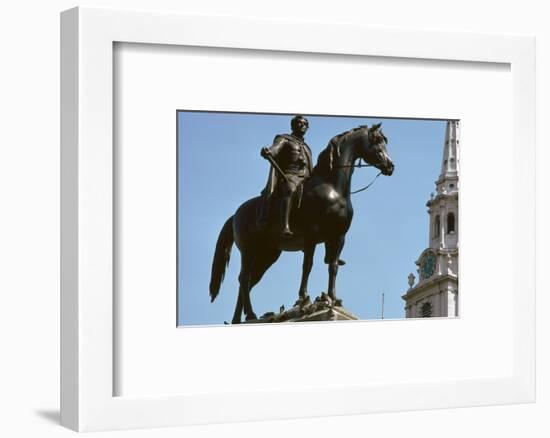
point(293, 164)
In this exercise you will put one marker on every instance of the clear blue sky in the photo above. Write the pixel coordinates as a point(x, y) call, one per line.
point(220, 167)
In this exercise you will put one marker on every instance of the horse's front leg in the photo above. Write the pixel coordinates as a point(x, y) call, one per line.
point(333, 248)
point(309, 251)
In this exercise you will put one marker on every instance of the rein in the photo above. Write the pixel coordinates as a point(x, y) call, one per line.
point(359, 166)
point(355, 165)
point(367, 186)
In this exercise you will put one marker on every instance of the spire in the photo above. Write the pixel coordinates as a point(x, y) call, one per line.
point(450, 162)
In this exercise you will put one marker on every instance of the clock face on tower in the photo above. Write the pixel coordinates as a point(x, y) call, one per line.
point(427, 265)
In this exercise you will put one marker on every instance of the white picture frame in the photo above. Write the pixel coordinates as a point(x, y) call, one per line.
point(88, 319)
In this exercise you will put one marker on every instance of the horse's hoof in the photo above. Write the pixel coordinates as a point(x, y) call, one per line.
point(251, 317)
point(303, 300)
point(236, 321)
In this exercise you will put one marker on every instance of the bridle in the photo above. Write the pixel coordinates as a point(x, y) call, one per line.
point(359, 165)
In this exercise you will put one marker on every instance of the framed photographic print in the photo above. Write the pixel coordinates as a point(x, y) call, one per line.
point(208, 159)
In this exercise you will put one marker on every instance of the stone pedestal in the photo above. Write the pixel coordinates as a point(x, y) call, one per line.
point(330, 314)
point(323, 309)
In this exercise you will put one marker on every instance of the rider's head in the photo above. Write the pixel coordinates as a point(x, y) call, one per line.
point(299, 125)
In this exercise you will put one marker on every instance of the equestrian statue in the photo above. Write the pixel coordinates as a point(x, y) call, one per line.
point(300, 207)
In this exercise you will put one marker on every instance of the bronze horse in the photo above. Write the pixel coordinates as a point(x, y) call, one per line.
point(325, 215)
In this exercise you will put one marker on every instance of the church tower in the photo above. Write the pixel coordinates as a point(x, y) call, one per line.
point(435, 294)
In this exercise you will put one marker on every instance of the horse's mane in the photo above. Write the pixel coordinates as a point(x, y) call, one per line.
point(328, 156)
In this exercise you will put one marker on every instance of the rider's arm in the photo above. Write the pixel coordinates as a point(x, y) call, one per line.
point(275, 148)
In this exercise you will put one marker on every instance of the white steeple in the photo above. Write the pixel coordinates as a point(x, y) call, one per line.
point(443, 208)
point(448, 177)
point(436, 293)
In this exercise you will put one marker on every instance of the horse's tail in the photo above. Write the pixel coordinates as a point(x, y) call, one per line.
point(221, 258)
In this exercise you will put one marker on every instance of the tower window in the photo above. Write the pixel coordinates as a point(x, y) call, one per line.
point(426, 310)
point(437, 226)
point(451, 223)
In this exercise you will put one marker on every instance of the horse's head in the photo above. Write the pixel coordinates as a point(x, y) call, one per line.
point(371, 147)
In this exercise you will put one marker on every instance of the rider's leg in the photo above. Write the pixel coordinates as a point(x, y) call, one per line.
point(285, 216)
point(289, 189)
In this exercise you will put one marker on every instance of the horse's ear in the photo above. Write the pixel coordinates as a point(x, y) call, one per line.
point(375, 127)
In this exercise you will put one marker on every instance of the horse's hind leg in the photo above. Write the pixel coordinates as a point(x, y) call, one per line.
point(262, 263)
point(252, 271)
point(238, 310)
point(245, 280)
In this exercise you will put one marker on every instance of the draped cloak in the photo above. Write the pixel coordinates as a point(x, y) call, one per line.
point(278, 150)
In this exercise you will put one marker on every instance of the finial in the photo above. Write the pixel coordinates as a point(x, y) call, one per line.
point(412, 278)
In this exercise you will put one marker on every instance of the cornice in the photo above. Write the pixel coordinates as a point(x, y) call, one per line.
point(426, 284)
point(442, 197)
